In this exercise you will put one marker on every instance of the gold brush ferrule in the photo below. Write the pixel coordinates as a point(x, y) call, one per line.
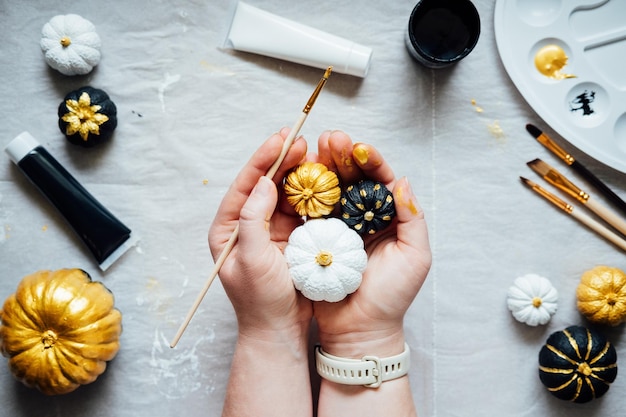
point(559, 181)
point(553, 199)
point(318, 89)
point(556, 149)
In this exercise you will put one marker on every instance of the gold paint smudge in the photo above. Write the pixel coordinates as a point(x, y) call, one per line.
point(478, 108)
point(550, 60)
point(44, 227)
point(205, 182)
point(406, 202)
point(495, 130)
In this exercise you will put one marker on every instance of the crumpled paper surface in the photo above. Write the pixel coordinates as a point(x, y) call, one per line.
point(190, 115)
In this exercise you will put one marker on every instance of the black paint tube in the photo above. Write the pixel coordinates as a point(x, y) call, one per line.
point(106, 237)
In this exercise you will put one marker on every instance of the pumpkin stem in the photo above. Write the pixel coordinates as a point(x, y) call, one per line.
point(65, 41)
point(324, 258)
point(611, 299)
point(48, 339)
point(537, 302)
point(307, 193)
point(585, 369)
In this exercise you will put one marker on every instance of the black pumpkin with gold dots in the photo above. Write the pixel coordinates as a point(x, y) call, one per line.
point(367, 207)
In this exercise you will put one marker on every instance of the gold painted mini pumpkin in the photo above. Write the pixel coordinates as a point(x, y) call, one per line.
point(601, 295)
point(367, 207)
point(87, 116)
point(59, 329)
point(577, 364)
point(312, 189)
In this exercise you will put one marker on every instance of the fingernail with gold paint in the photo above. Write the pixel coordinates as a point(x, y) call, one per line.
point(361, 154)
point(406, 197)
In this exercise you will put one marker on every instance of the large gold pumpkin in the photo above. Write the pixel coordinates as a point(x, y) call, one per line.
point(59, 329)
point(601, 295)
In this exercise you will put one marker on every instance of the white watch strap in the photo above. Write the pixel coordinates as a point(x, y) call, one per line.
point(370, 371)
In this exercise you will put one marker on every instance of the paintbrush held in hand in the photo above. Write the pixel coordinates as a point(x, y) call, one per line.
point(235, 235)
point(546, 141)
point(577, 214)
point(558, 180)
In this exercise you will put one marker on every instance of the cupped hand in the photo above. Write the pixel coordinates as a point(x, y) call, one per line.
point(370, 321)
point(255, 274)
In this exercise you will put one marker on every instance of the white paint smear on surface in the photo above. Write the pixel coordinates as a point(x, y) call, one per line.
point(179, 372)
point(167, 81)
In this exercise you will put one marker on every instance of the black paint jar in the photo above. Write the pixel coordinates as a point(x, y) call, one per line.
point(442, 32)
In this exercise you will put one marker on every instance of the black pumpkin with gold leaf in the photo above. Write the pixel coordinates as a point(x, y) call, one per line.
point(87, 116)
point(577, 364)
point(367, 207)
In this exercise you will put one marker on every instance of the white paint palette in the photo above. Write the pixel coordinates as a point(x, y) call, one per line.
point(589, 110)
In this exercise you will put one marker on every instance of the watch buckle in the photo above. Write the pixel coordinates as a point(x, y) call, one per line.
point(377, 372)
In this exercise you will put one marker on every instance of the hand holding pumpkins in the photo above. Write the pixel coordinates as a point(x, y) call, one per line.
point(59, 329)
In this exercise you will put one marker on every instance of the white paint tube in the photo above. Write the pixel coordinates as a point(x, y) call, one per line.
point(258, 31)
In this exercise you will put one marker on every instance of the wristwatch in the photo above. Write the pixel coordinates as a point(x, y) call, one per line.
point(370, 371)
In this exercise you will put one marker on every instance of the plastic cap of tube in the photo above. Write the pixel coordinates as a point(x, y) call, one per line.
point(358, 62)
point(19, 147)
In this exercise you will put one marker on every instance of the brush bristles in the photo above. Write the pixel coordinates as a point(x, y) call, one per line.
point(533, 130)
point(539, 167)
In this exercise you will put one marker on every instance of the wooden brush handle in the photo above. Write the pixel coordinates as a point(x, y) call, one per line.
point(599, 229)
point(608, 215)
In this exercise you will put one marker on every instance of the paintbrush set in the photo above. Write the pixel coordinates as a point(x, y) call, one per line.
point(610, 224)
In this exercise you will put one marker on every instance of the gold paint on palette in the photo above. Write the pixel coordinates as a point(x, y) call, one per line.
point(550, 60)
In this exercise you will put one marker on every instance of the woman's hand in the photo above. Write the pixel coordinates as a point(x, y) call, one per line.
point(255, 274)
point(370, 321)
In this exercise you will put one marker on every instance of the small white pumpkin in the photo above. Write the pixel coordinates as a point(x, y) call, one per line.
point(532, 299)
point(326, 259)
point(70, 44)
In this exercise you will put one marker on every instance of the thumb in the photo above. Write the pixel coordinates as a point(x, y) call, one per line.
point(254, 218)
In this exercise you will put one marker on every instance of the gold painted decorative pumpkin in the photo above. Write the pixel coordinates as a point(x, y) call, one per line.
point(367, 207)
point(87, 116)
point(601, 295)
point(59, 329)
point(312, 189)
point(70, 44)
point(577, 364)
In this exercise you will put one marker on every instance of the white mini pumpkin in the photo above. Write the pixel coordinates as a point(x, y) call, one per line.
point(326, 259)
point(532, 299)
point(70, 44)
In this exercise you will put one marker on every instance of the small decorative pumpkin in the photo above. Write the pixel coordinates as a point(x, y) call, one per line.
point(70, 44)
point(326, 259)
point(532, 299)
point(577, 364)
point(367, 207)
point(87, 116)
point(601, 295)
point(59, 329)
point(312, 189)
